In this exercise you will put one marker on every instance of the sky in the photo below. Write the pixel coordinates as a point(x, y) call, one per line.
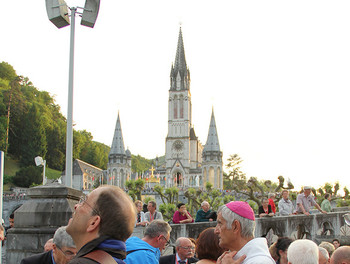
point(276, 74)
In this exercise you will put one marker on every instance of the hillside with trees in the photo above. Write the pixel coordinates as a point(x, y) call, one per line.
point(31, 124)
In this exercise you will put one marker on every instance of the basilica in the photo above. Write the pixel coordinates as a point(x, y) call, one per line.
point(187, 162)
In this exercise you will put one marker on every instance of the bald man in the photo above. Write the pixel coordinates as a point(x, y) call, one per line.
point(341, 255)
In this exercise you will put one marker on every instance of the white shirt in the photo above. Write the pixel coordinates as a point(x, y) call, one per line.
point(256, 252)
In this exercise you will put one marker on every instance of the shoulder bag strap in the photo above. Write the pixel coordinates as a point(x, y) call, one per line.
point(100, 256)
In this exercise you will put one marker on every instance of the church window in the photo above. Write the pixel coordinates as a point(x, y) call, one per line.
point(175, 107)
point(178, 81)
point(181, 107)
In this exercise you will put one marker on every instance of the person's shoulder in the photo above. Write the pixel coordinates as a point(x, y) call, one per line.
point(44, 257)
point(82, 260)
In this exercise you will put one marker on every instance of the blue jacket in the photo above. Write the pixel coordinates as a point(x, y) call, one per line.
point(139, 251)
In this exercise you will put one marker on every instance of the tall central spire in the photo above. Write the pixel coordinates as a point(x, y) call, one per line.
point(180, 74)
point(180, 59)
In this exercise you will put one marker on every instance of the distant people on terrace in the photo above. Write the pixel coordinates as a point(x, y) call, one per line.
point(272, 198)
point(140, 215)
point(285, 206)
point(205, 214)
point(326, 203)
point(152, 213)
point(305, 201)
point(265, 209)
point(182, 216)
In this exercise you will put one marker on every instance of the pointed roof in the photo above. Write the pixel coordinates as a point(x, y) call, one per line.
point(213, 139)
point(180, 60)
point(118, 142)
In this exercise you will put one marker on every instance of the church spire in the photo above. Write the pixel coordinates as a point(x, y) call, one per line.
point(180, 60)
point(118, 142)
point(213, 139)
point(180, 74)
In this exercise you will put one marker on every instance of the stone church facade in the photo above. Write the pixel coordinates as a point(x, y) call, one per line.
point(187, 162)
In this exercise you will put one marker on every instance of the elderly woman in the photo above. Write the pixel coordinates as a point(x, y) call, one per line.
point(265, 209)
point(207, 248)
point(140, 216)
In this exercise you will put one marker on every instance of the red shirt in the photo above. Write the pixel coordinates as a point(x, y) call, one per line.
point(179, 217)
point(273, 206)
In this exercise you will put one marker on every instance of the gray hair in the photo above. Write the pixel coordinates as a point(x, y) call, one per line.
point(324, 252)
point(271, 195)
point(247, 225)
point(62, 239)
point(327, 246)
point(204, 203)
point(303, 251)
point(156, 228)
point(179, 241)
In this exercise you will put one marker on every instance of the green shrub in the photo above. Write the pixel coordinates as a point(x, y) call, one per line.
point(28, 176)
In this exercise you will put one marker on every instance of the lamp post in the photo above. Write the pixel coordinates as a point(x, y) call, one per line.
point(57, 11)
point(39, 161)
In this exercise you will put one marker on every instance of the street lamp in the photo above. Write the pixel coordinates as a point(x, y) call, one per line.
point(40, 162)
point(57, 11)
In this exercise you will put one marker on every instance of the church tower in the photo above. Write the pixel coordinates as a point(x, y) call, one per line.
point(119, 160)
point(183, 150)
point(212, 157)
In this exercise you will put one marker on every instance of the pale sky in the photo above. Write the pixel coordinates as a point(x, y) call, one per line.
point(276, 72)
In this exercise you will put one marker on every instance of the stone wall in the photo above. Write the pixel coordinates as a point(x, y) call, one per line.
point(317, 227)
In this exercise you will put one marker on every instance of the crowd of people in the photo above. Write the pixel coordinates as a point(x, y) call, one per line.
point(97, 234)
point(304, 203)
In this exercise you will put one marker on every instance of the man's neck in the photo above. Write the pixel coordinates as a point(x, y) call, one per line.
point(151, 242)
point(240, 243)
point(181, 257)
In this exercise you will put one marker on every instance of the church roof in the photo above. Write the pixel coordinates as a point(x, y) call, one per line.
point(213, 139)
point(118, 142)
point(180, 60)
point(193, 134)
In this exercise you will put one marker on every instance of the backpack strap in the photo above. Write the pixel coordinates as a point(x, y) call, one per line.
point(100, 256)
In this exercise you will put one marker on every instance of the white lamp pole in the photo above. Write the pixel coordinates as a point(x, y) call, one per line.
point(58, 15)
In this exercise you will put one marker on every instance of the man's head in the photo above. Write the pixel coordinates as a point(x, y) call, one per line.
point(158, 234)
point(328, 196)
point(265, 202)
point(328, 246)
point(183, 247)
point(152, 206)
point(181, 207)
point(336, 243)
point(48, 245)
point(205, 206)
point(303, 251)
point(285, 194)
point(106, 211)
point(235, 225)
point(341, 255)
point(63, 248)
point(307, 190)
point(323, 256)
point(12, 220)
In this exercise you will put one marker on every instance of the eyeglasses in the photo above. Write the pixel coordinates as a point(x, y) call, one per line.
point(188, 248)
point(69, 254)
point(167, 241)
point(83, 201)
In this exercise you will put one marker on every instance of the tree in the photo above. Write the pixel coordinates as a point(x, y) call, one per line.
point(135, 188)
point(28, 176)
point(34, 137)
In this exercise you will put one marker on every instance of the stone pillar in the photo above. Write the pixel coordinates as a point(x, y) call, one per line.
point(49, 207)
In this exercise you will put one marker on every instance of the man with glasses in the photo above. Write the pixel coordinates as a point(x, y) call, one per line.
point(147, 250)
point(183, 254)
point(100, 225)
point(63, 250)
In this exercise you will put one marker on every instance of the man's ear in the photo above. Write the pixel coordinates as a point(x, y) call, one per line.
point(236, 226)
point(94, 223)
point(54, 247)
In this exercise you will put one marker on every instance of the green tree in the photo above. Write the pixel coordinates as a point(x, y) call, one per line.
point(34, 137)
point(27, 176)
